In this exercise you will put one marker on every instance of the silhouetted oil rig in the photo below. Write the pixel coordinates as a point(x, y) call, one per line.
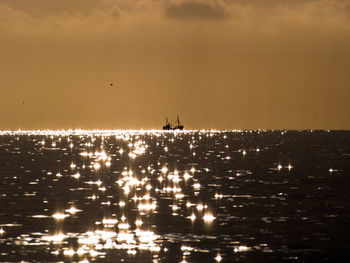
point(176, 126)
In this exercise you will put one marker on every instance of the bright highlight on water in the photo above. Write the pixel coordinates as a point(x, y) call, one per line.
point(144, 196)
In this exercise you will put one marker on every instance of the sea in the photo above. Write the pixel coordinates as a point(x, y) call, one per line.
point(175, 196)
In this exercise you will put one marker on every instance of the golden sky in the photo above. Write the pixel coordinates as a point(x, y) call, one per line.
point(234, 64)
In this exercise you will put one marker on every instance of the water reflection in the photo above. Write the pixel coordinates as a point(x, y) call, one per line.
point(182, 196)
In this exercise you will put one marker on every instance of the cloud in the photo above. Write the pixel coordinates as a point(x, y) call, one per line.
point(262, 53)
point(196, 10)
point(43, 8)
point(253, 15)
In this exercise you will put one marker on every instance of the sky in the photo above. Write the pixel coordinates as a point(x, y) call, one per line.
point(219, 64)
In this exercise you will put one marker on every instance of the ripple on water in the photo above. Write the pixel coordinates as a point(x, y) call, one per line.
point(182, 196)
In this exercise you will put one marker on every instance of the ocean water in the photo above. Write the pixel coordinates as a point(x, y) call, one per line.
point(192, 196)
